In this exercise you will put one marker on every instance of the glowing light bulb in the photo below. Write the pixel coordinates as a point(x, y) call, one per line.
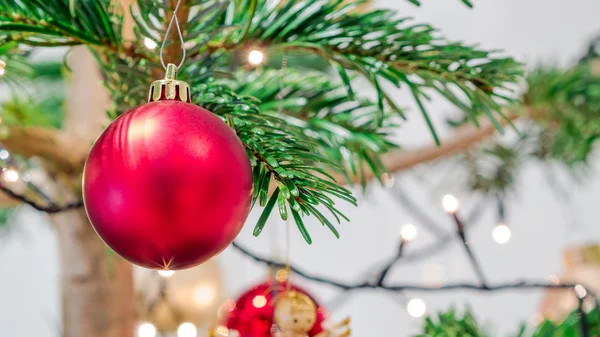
point(204, 295)
point(450, 203)
point(553, 279)
point(501, 233)
point(222, 330)
point(408, 232)
point(4, 154)
point(259, 301)
point(256, 57)
point(187, 330)
point(10, 175)
point(149, 43)
point(580, 291)
point(166, 273)
point(416, 307)
point(26, 177)
point(388, 180)
point(229, 305)
point(281, 275)
point(537, 318)
point(146, 330)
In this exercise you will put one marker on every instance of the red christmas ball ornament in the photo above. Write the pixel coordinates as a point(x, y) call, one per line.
point(253, 313)
point(168, 185)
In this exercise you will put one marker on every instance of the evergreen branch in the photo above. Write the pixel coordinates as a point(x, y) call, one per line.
point(571, 101)
point(345, 129)
point(280, 153)
point(379, 45)
point(92, 22)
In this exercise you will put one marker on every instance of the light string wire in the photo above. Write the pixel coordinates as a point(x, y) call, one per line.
point(175, 20)
point(376, 282)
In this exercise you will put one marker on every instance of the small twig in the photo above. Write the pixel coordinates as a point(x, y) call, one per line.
point(460, 230)
point(386, 269)
point(48, 209)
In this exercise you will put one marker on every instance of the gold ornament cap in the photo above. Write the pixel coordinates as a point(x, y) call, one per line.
point(170, 88)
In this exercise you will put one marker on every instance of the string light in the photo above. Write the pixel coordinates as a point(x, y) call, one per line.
point(256, 57)
point(537, 318)
point(146, 330)
point(187, 330)
point(259, 301)
point(26, 177)
point(388, 180)
point(450, 203)
point(580, 291)
point(10, 175)
point(553, 279)
point(204, 295)
point(416, 307)
point(501, 233)
point(281, 275)
point(149, 43)
point(229, 305)
point(166, 273)
point(408, 232)
point(222, 330)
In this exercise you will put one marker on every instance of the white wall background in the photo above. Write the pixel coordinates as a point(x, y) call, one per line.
point(531, 30)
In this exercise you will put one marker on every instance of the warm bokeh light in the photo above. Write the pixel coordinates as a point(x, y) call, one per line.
point(149, 43)
point(501, 233)
point(187, 330)
point(281, 275)
point(388, 180)
point(205, 295)
point(259, 301)
point(450, 203)
point(537, 318)
point(2, 65)
point(10, 175)
point(4, 154)
point(229, 305)
point(553, 279)
point(166, 273)
point(408, 232)
point(146, 330)
point(222, 330)
point(580, 291)
point(256, 57)
point(416, 307)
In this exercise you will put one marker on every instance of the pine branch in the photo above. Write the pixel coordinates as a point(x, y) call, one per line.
point(92, 22)
point(379, 46)
point(281, 153)
point(344, 128)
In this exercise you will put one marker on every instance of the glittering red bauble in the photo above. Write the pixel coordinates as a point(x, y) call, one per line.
point(253, 316)
point(167, 185)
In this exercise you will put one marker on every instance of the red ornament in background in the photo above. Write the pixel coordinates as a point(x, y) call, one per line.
point(168, 185)
point(254, 310)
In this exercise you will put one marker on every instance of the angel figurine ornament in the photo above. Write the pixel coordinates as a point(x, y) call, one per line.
point(296, 314)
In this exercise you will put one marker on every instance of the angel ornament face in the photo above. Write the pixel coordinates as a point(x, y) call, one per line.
point(296, 314)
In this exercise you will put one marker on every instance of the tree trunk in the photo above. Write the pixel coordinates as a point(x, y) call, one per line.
point(97, 286)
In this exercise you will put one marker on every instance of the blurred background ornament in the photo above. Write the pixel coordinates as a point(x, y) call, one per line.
point(581, 265)
point(187, 296)
point(252, 314)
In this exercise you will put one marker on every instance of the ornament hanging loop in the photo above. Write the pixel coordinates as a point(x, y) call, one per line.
point(170, 88)
point(175, 20)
